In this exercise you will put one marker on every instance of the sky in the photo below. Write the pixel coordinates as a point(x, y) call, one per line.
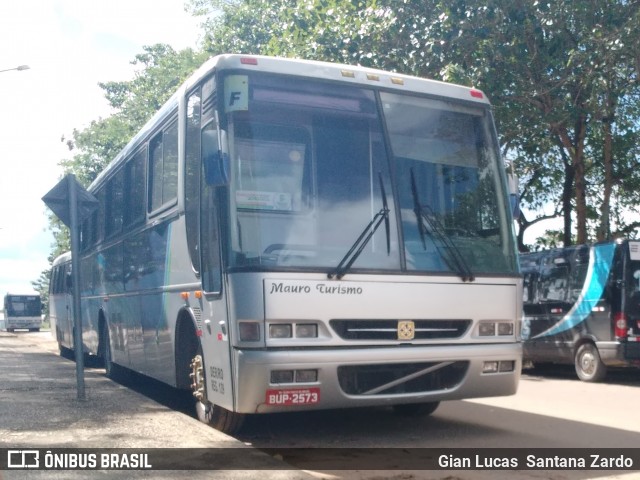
point(70, 46)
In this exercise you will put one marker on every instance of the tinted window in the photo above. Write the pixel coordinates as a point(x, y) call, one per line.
point(163, 163)
point(192, 176)
point(115, 204)
point(135, 188)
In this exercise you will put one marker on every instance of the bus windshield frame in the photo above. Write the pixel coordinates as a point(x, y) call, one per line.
point(309, 161)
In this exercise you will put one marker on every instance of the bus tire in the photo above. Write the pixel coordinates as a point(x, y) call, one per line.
point(66, 352)
point(588, 364)
point(416, 409)
point(218, 417)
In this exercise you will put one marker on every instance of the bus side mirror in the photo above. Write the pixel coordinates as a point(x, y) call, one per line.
point(216, 169)
point(514, 193)
point(215, 159)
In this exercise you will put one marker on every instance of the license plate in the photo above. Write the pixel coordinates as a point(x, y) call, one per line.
point(298, 396)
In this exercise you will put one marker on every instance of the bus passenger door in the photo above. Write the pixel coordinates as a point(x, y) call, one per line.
point(215, 336)
point(215, 339)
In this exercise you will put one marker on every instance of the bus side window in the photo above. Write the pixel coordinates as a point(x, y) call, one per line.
point(636, 283)
point(633, 295)
point(209, 228)
point(163, 168)
point(192, 177)
point(554, 280)
point(68, 281)
point(530, 292)
point(135, 173)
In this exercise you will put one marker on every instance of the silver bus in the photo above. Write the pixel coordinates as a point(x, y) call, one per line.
point(22, 311)
point(291, 235)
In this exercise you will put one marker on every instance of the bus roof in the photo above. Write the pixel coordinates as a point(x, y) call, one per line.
point(62, 258)
point(311, 69)
point(337, 72)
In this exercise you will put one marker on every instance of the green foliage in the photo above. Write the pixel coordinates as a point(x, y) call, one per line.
point(562, 76)
point(333, 30)
point(550, 239)
point(556, 73)
point(160, 71)
point(96, 146)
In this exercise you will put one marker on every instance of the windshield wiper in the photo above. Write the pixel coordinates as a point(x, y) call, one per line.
point(454, 258)
point(366, 235)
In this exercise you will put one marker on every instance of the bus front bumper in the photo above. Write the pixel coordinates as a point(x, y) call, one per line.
point(359, 377)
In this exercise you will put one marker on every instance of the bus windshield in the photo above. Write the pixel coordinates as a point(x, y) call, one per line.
point(310, 162)
point(23, 306)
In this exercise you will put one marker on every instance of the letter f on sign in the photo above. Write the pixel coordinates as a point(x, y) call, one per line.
point(236, 89)
point(233, 97)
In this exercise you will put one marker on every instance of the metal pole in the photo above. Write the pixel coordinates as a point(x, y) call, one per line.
point(74, 227)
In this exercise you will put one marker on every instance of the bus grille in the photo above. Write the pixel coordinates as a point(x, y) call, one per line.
point(388, 329)
point(401, 378)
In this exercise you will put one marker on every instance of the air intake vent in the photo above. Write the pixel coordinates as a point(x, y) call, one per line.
point(401, 378)
point(388, 329)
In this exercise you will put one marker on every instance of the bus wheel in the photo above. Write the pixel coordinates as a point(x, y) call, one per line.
point(214, 415)
point(589, 366)
point(219, 418)
point(416, 409)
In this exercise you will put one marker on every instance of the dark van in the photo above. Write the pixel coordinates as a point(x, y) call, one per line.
point(582, 306)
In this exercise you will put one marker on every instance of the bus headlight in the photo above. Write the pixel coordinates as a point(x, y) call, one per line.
point(306, 376)
point(280, 330)
point(498, 366)
point(282, 376)
point(487, 329)
point(490, 367)
point(249, 331)
point(491, 329)
point(505, 328)
point(287, 330)
point(307, 330)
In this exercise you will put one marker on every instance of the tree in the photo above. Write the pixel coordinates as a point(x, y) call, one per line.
point(334, 30)
point(558, 74)
point(161, 71)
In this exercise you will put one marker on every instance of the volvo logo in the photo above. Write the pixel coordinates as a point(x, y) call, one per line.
point(406, 330)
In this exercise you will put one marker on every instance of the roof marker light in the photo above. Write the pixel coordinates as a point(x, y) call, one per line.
point(373, 76)
point(476, 93)
point(397, 81)
point(348, 73)
point(248, 61)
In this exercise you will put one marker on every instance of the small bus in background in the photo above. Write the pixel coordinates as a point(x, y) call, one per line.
point(22, 312)
point(582, 307)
